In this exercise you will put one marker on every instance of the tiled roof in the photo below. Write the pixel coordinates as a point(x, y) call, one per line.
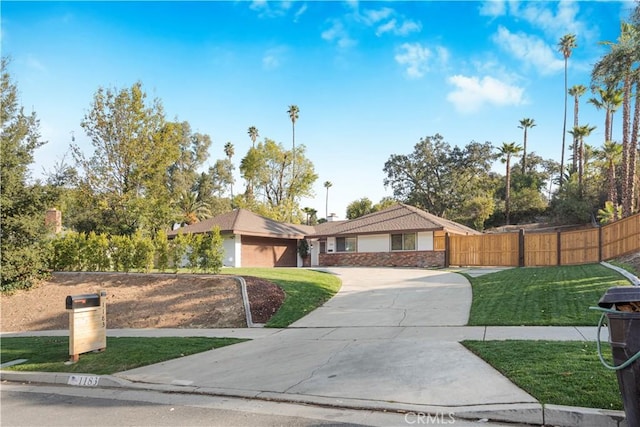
point(399, 217)
point(242, 221)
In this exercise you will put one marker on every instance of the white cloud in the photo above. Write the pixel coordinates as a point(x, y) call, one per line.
point(472, 93)
point(33, 63)
point(530, 49)
point(273, 58)
point(373, 16)
point(416, 58)
point(338, 34)
point(493, 8)
point(300, 12)
point(403, 29)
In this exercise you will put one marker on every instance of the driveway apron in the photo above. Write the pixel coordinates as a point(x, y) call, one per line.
point(373, 342)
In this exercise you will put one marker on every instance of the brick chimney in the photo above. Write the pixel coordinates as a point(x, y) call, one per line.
point(53, 220)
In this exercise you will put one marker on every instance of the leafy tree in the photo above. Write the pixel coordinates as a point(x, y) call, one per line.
point(161, 244)
point(97, 252)
point(132, 151)
point(143, 252)
point(579, 134)
point(525, 124)
point(576, 91)
point(253, 135)
point(229, 152)
point(507, 151)
point(22, 205)
point(211, 250)
point(477, 210)
point(609, 213)
point(439, 178)
point(192, 153)
point(384, 203)
point(565, 46)
point(610, 154)
point(269, 165)
point(69, 252)
point(312, 216)
point(122, 252)
point(194, 243)
point(359, 208)
point(177, 250)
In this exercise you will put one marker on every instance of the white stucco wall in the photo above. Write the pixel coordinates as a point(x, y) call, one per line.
point(373, 243)
point(232, 251)
point(425, 241)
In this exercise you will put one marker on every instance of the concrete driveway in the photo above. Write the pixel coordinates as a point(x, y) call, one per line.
point(380, 342)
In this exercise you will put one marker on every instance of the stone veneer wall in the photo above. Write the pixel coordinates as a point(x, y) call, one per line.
point(384, 259)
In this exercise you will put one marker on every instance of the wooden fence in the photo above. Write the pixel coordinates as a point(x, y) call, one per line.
point(540, 249)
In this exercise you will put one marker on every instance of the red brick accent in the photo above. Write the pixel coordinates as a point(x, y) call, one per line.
point(384, 259)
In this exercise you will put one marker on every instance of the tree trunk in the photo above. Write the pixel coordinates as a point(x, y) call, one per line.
point(576, 151)
point(564, 124)
point(524, 152)
point(507, 196)
point(633, 151)
point(626, 157)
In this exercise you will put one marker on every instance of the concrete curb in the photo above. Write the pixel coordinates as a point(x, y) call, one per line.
point(523, 413)
point(631, 277)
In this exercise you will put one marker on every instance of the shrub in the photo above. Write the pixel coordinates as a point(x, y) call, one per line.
point(211, 251)
point(162, 250)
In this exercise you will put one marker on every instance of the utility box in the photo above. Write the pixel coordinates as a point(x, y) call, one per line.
point(87, 323)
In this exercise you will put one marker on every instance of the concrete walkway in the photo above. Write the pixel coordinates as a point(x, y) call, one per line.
point(388, 340)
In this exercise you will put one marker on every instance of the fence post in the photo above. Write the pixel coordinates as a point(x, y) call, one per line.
point(521, 248)
point(559, 247)
point(599, 243)
point(447, 249)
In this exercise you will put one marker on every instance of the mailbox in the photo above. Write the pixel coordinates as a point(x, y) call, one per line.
point(82, 301)
point(87, 323)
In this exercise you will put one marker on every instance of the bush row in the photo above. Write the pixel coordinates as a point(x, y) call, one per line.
point(99, 252)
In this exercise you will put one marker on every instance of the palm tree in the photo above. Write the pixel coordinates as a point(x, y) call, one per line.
point(610, 100)
point(327, 185)
point(576, 91)
point(506, 151)
point(253, 134)
point(191, 209)
point(229, 152)
point(293, 115)
point(579, 134)
point(611, 153)
point(525, 124)
point(565, 46)
point(614, 68)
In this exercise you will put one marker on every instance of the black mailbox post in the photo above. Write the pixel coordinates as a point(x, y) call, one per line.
point(624, 336)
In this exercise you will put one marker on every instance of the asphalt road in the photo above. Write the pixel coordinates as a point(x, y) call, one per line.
point(32, 405)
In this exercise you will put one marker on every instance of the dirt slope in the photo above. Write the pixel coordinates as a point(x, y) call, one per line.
point(143, 301)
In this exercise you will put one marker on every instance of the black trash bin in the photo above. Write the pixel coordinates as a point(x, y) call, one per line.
point(624, 336)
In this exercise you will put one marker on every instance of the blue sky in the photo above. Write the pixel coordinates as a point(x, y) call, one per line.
point(370, 78)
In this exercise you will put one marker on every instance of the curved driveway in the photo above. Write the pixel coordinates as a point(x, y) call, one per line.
point(394, 297)
point(380, 342)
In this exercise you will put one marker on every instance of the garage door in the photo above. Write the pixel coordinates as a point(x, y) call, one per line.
point(268, 252)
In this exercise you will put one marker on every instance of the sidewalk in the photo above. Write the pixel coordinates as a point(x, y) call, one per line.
point(386, 341)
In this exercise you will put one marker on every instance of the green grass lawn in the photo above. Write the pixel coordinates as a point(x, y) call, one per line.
point(559, 373)
point(541, 296)
point(49, 354)
point(305, 290)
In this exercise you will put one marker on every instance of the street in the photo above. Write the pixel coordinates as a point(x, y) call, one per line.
point(44, 405)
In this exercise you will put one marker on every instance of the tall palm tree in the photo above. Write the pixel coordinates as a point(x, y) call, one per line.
point(293, 112)
point(506, 152)
point(565, 46)
point(611, 153)
point(610, 100)
point(327, 185)
point(229, 152)
point(253, 134)
point(617, 67)
point(525, 124)
point(579, 134)
point(576, 91)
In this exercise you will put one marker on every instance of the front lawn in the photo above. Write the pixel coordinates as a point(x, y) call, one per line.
point(559, 373)
point(305, 290)
point(541, 296)
point(49, 354)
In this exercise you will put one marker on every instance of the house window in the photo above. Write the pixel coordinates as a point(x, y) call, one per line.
point(403, 242)
point(345, 244)
point(323, 246)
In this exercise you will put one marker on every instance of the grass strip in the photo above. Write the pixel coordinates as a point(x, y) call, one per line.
point(554, 372)
point(305, 290)
point(49, 354)
point(541, 296)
